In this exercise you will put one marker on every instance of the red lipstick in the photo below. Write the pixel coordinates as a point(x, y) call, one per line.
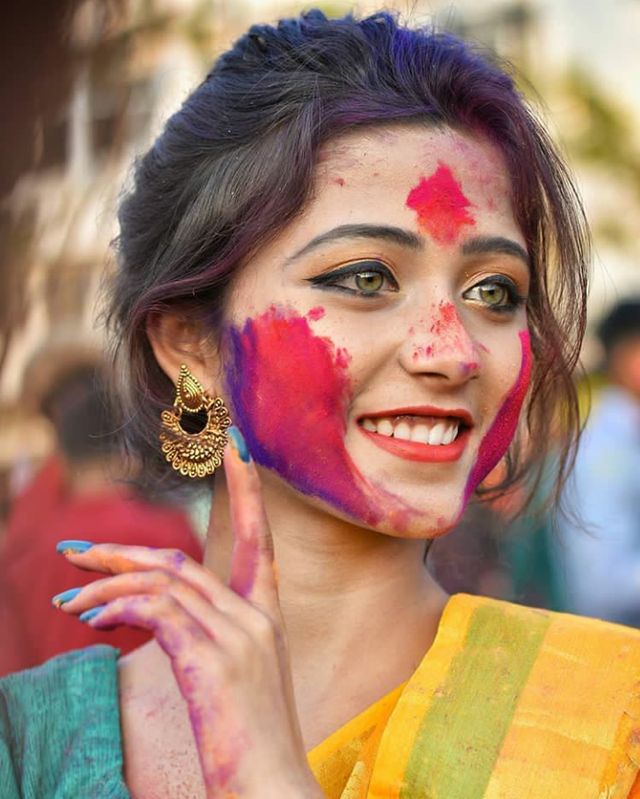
point(415, 450)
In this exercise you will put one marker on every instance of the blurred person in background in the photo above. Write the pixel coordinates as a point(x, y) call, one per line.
point(599, 549)
point(81, 488)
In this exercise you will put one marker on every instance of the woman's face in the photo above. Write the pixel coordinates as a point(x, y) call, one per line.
point(376, 354)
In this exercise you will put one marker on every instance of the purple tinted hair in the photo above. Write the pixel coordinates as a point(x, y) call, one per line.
point(235, 164)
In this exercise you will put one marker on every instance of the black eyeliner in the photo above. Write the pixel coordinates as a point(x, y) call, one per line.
point(328, 279)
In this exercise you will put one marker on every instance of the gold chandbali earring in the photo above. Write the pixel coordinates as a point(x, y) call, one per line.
point(198, 453)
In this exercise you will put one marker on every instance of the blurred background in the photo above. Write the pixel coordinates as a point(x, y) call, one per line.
point(87, 84)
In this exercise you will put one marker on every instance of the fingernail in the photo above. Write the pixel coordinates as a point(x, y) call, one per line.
point(65, 596)
point(73, 547)
point(91, 613)
point(239, 444)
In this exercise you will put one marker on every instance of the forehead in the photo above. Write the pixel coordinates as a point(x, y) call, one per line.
point(372, 171)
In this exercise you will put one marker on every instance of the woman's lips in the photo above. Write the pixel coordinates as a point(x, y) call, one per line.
point(416, 451)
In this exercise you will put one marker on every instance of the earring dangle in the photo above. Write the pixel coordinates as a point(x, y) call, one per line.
point(199, 453)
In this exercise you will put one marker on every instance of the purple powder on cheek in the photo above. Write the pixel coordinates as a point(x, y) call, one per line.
point(290, 391)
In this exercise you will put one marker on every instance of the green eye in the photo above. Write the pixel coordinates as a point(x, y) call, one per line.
point(493, 294)
point(497, 294)
point(369, 282)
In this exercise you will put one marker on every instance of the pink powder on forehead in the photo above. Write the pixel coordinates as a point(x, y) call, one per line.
point(441, 205)
point(497, 439)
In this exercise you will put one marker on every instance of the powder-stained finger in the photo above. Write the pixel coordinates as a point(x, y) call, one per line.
point(122, 559)
point(252, 568)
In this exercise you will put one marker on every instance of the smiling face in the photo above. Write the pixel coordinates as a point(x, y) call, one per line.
point(376, 355)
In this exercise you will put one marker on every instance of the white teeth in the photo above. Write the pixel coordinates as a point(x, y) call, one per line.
point(385, 428)
point(451, 433)
point(402, 430)
point(420, 433)
point(429, 431)
point(436, 434)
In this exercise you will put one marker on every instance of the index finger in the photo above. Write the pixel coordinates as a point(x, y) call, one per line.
point(252, 565)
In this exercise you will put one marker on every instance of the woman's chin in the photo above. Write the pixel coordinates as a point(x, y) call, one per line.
point(398, 519)
point(419, 525)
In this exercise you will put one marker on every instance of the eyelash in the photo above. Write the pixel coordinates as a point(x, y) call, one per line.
point(331, 281)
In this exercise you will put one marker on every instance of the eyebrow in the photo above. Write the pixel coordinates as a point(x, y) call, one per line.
point(396, 235)
point(488, 245)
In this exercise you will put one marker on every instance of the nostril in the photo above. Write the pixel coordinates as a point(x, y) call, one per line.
point(468, 368)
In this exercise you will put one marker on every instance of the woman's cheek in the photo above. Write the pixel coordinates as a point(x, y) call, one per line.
point(497, 439)
point(289, 390)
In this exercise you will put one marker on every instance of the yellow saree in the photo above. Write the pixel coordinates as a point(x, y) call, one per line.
point(508, 703)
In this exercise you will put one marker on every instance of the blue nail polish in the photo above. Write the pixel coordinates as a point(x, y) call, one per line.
point(75, 547)
point(91, 613)
point(237, 439)
point(65, 596)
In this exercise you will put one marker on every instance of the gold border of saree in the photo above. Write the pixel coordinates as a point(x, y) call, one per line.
point(508, 703)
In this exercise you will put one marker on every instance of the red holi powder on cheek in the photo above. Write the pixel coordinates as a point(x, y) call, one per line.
point(290, 392)
point(441, 206)
point(343, 359)
point(315, 313)
point(497, 439)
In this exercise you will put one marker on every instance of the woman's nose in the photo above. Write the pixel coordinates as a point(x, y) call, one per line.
point(442, 348)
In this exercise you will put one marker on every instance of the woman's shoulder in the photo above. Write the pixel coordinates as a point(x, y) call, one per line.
point(554, 617)
point(545, 703)
point(60, 728)
point(591, 639)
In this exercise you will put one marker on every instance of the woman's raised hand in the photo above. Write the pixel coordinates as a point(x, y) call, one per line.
point(226, 642)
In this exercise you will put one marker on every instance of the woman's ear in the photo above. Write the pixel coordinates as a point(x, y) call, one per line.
point(175, 339)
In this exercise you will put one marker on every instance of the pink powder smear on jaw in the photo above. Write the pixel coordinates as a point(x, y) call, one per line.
point(290, 393)
point(315, 313)
point(497, 439)
point(441, 205)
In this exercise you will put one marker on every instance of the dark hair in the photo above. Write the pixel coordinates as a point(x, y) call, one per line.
point(234, 165)
point(622, 322)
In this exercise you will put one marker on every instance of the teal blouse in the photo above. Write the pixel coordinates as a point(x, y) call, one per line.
point(60, 729)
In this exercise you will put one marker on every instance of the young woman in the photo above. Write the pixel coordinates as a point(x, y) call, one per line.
point(355, 240)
